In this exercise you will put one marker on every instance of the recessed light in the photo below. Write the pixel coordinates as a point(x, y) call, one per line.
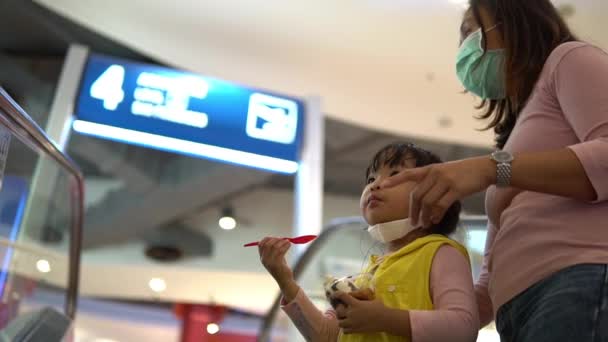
point(213, 328)
point(157, 285)
point(227, 223)
point(43, 266)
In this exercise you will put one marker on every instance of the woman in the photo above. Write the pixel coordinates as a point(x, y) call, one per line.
point(545, 273)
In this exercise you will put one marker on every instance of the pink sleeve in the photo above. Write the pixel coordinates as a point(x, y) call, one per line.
point(455, 315)
point(310, 321)
point(580, 82)
point(484, 303)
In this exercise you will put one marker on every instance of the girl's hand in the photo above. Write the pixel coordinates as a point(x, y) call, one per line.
point(359, 316)
point(272, 255)
point(440, 185)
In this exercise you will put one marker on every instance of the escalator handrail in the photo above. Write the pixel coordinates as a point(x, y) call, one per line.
point(330, 229)
point(21, 125)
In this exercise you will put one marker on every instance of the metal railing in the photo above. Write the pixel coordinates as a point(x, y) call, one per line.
point(21, 125)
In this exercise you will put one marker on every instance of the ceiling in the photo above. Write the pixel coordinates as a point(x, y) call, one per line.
point(383, 64)
point(31, 30)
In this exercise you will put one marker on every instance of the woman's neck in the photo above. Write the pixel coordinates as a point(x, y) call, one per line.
point(396, 245)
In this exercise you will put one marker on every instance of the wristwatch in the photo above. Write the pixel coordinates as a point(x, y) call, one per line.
point(503, 161)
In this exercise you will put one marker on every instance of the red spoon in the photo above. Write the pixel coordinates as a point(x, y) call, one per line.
point(297, 240)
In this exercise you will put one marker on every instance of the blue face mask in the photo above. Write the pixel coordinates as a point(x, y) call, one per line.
point(481, 74)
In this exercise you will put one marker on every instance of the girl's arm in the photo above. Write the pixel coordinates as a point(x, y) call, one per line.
point(310, 321)
point(455, 317)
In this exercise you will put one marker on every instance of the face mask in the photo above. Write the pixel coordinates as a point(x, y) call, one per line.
point(391, 231)
point(481, 74)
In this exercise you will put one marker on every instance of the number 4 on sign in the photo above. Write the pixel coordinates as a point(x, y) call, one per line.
point(108, 87)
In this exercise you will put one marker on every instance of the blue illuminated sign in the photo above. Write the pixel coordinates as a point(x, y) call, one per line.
point(185, 113)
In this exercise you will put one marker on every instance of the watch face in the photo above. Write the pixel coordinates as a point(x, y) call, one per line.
point(502, 156)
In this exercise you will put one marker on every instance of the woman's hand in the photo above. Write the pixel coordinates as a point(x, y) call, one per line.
point(440, 185)
point(359, 316)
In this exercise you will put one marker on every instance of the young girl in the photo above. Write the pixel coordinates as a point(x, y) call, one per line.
point(423, 284)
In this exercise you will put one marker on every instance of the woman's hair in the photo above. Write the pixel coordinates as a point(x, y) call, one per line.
point(396, 154)
point(531, 30)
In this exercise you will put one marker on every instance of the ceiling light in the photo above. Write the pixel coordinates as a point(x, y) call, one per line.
point(43, 266)
point(227, 223)
point(227, 220)
point(213, 328)
point(157, 285)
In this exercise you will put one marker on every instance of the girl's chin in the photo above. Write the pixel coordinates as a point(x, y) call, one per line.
point(372, 221)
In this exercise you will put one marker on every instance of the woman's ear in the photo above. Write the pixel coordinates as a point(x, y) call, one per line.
point(493, 30)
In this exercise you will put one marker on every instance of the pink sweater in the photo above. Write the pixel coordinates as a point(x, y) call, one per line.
point(532, 235)
point(454, 318)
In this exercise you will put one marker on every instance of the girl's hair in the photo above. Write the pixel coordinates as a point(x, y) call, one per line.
point(396, 154)
point(531, 30)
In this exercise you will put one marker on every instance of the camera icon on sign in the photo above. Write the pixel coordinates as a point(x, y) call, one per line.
point(272, 118)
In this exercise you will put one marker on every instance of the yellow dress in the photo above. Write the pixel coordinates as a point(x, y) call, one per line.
point(401, 281)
